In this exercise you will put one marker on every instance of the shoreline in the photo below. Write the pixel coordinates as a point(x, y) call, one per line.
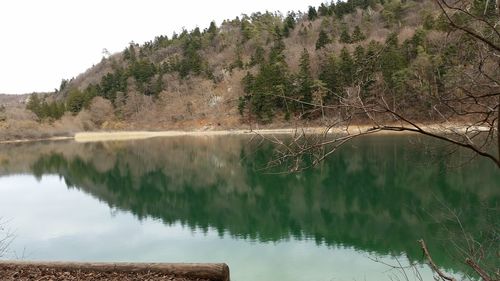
point(103, 136)
point(36, 140)
point(84, 137)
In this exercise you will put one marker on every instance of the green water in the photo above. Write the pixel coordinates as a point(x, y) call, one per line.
point(206, 199)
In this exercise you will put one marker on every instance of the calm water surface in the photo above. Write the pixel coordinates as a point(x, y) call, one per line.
point(206, 200)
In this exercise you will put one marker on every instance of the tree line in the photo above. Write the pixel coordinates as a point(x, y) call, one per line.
point(347, 58)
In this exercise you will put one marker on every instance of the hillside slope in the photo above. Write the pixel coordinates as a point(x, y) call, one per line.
point(196, 78)
point(268, 69)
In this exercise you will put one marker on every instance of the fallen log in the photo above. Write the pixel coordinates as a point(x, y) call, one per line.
point(195, 271)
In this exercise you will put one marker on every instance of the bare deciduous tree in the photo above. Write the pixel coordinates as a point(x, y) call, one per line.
point(100, 110)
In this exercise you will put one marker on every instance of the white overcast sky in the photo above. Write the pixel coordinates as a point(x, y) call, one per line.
point(42, 42)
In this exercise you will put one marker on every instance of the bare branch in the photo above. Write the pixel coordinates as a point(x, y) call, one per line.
point(433, 266)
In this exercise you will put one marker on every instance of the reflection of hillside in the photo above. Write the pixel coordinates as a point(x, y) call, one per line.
point(376, 197)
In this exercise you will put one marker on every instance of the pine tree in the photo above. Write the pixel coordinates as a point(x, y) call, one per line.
point(75, 101)
point(265, 91)
point(346, 67)
point(364, 70)
point(276, 55)
point(196, 32)
point(258, 56)
point(142, 71)
point(247, 30)
point(192, 61)
point(429, 21)
point(305, 80)
point(392, 59)
point(323, 40)
point(289, 24)
point(129, 53)
point(323, 10)
point(330, 76)
point(112, 83)
point(34, 104)
point(158, 85)
point(345, 37)
point(342, 8)
point(312, 14)
point(212, 30)
point(357, 35)
point(359, 56)
point(63, 85)
point(238, 62)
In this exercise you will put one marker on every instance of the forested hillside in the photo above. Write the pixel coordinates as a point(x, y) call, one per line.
point(272, 69)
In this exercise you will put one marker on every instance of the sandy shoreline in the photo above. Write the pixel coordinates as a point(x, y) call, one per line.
point(137, 135)
point(36, 140)
point(84, 137)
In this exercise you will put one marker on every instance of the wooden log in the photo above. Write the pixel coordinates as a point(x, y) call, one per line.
point(210, 271)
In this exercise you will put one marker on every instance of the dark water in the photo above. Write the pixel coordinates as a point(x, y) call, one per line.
point(207, 200)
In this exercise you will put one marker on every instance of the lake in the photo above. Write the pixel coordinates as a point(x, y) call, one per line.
point(207, 199)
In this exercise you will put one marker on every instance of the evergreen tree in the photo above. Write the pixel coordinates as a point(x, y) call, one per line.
point(75, 101)
point(323, 40)
point(112, 83)
point(142, 71)
point(392, 59)
point(429, 21)
point(276, 55)
point(343, 8)
point(346, 67)
point(411, 46)
point(158, 85)
point(247, 30)
point(45, 110)
point(129, 53)
point(258, 56)
point(323, 10)
point(53, 110)
point(34, 105)
point(330, 76)
point(359, 57)
point(248, 84)
point(63, 85)
point(344, 36)
point(278, 33)
point(212, 30)
point(364, 69)
point(312, 14)
point(305, 80)
point(289, 24)
point(196, 32)
point(266, 90)
point(357, 35)
point(238, 62)
point(192, 61)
